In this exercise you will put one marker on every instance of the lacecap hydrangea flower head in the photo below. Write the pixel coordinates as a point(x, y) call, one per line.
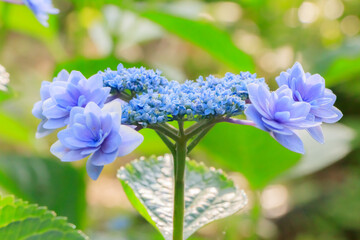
point(153, 99)
point(41, 9)
point(150, 100)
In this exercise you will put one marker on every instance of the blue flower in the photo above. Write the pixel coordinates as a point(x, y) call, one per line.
point(137, 80)
point(41, 9)
point(279, 114)
point(311, 89)
point(60, 96)
point(192, 100)
point(96, 132)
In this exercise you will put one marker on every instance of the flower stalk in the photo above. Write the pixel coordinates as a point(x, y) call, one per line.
point(179, 150)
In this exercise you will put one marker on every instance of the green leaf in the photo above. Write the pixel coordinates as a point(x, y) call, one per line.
point(13, 130)
point(27, 23)
point(48, 182)
point(340, 64)
point(342, 69)
point(250, 151)
point(337, 145)
point(206, 36)
point(89, 67)
point(209, 194)
point(21, 220)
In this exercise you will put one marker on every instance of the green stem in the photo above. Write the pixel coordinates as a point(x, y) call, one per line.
point(198, 138)
point(179, 198)
point(164, 131)
point(167, 142)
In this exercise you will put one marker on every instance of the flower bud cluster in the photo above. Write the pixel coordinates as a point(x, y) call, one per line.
point(158, 100)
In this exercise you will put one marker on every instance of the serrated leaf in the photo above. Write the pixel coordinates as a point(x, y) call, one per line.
point(37, 180)
point(206, 36)
point(21, 220)
point(209, 194)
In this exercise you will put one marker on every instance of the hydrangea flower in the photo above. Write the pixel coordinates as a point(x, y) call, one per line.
point(311, 89)
point(278, 113)
point(4, 78)
point(60, 96)
point(96, 133)
point(136, 80)
point(192, 100)
point(41, 9)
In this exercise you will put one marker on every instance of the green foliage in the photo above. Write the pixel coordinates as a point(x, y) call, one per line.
point(209, 194)
point(206, 36)
point(14, 131)
point(27, 23)
point(21, 220)
point(249, 151)
point(89, 67)
point(59, 186)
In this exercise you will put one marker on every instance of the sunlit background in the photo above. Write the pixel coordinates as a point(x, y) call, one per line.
point(315, 196)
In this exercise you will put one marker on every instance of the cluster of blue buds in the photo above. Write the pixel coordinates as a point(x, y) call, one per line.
point(134, 80)
point(100, 127)
point(157, 100)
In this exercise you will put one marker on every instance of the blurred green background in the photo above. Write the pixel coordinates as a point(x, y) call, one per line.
point(315, 196)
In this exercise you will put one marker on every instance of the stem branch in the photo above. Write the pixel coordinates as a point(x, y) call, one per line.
point(179, 198)
point(198, 138)
point(167, 142)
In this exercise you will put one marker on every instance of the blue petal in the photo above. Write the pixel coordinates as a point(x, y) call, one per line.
point(99, 96)
point(282, 116)
point(291, 142)
point(99, 158)
point(130, 140)
point(41, 131)
point(258, 98)
point(107, 123)
point(336, 118)
point(253, 115)
point(55, 123)
point(92, 170)
point(316, 133)
point(63, 75)
point(76, 111)
point(65, 154)
point(58, 149)
point(92, 107)
point(111, 143)
point(81, 132)
point(55, 112)
point(95, 82)
point(75, 77)
point(93, 124)
point(37, 110)
point(44, 90)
